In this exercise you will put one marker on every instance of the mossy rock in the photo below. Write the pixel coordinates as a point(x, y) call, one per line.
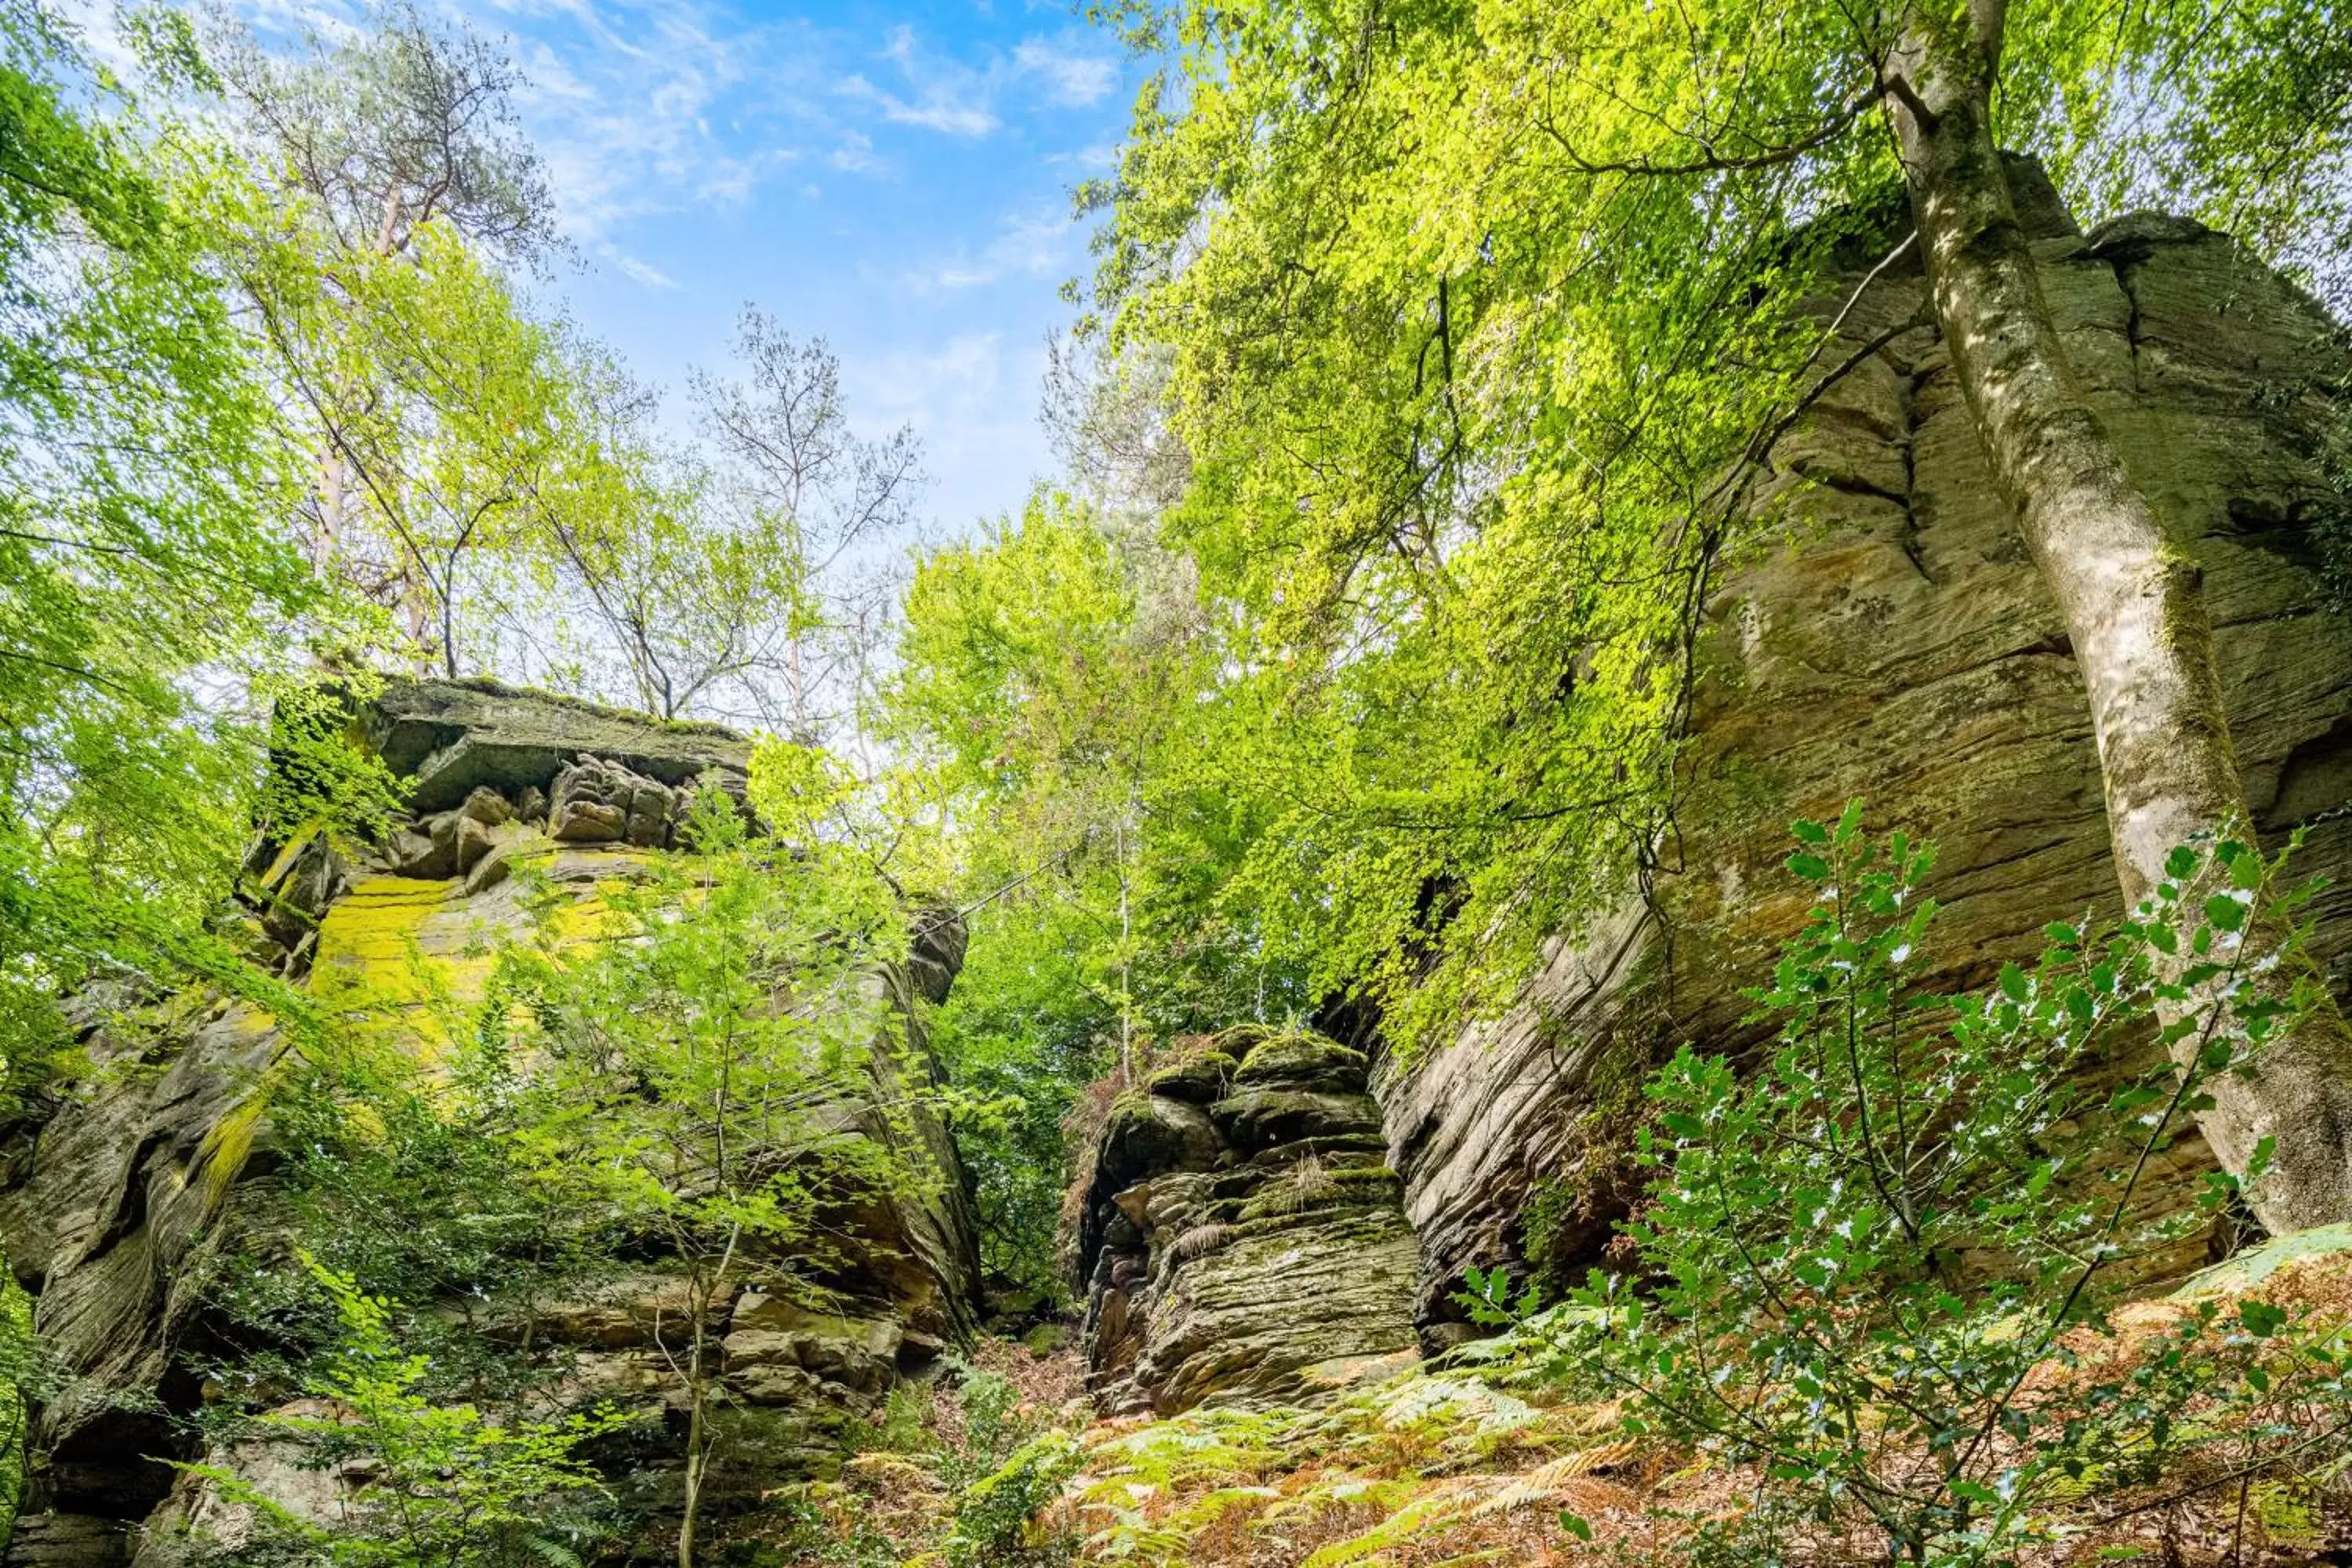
point(454, 737)
point(1263, 1117)
point(1303, 1060)
point(1196, 1081)
point(2250, 1269)
point(1046, 1339)
point(1149, 1133)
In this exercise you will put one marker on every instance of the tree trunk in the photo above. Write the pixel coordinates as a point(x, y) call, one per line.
point(698, 1399)
point(2134, 603)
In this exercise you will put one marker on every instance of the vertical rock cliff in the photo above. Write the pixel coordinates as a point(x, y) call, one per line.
point(1896, 644)
point(116, 1197)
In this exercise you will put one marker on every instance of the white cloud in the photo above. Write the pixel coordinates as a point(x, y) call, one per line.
point(643, 107)
point(1034, 243)
point(957, 98)
point(943, 95)
point(644, 272)
point(1100, 158)
point(1076, 81)
point(854, 155)
point(973, 403)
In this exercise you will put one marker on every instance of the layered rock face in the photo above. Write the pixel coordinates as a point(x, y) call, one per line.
point(114, 1203)
point(1896, 644)
point(1242, 1238)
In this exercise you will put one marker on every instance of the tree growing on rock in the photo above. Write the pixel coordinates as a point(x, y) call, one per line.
point(709, 1068)
point(747, 578)
point(1484, 323)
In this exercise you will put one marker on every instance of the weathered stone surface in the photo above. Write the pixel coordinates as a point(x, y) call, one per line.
point(1241, 1238)
point(452, 736)
point(69, 1541)
point(2248, 1271)
point(196, 1513)
point(598, 801)
point(1899, 646)
point(294, 885)
point(114, 1199)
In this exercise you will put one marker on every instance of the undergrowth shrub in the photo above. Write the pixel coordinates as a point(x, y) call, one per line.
point(414, 1482)
point(1878, 1266)
point(1004, 1519)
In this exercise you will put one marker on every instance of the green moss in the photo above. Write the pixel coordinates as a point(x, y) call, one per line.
point(1300, 1058)
point(376, 923)
point(1196, 1080)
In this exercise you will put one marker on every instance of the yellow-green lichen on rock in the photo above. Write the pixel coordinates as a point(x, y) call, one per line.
point(162, 1145)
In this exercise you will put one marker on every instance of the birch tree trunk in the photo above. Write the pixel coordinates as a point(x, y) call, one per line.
point(2133, 601)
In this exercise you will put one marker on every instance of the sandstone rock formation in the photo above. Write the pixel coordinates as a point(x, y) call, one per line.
point(1241, 1238)
point(451, 736)
point(114, 1198)
point(1897, 645)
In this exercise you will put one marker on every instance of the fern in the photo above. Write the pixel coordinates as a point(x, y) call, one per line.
point(552, 1552)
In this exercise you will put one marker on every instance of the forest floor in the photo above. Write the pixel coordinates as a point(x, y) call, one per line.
point(1448, 1467)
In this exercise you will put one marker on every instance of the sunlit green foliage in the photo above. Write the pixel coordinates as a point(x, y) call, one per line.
point(414, 1481)
point(146, 582)
point(1056, 700)
point(1480, 321)
point(1880, 1267)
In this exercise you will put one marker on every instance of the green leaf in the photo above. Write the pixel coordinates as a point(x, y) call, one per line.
point(2225, 912)
point(2180, 862)
point(1575, 1524)
point(1811, 867)
point(2259, 1161)
point(1810, 831)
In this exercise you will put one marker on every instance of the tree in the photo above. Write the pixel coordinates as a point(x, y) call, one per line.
point(454, 453)
point(694, 578)
point(1055, 711)
point(835, 500)
point(143, 570)
point(395, 191)
point(707, 1062)
point(1483, 321)
point(446, 1484)
point(2132, 603)
point(1052, 691)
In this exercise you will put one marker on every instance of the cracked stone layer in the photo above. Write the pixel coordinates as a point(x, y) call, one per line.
point(1242, 1238)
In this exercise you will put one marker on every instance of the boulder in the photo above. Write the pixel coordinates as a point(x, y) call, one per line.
point(449, 737)
point(597, 801)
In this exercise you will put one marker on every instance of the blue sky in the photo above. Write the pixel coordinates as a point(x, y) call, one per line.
point(893, 177)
